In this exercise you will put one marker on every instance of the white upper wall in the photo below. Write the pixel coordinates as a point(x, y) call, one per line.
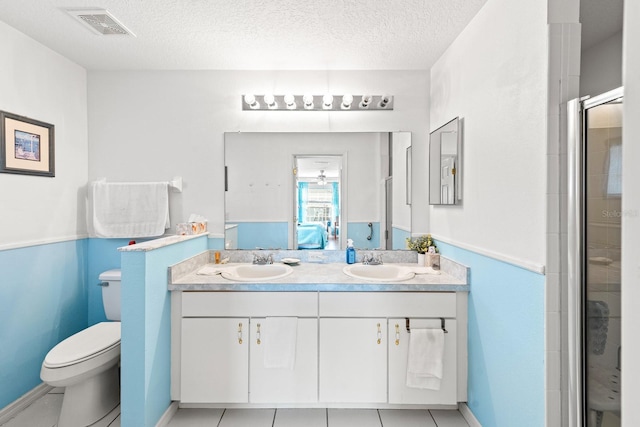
point(601, 67)
point(40, 84)
point(155, 125)
point(494, 77)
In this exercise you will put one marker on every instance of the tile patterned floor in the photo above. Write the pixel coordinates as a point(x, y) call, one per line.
point(44, 413)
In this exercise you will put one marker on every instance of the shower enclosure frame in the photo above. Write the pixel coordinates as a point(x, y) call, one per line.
point(576, 263)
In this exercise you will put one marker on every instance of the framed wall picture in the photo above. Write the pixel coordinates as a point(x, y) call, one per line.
point(26, 146)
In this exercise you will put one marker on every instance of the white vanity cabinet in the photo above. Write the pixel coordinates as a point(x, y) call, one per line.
point(398, 353)
point(280, 385)
point(354, 367)
point(220, 358)
point(215, 359)
point(346, 351)
point(353, 360)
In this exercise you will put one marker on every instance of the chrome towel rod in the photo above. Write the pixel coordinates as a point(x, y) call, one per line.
point(442, 325)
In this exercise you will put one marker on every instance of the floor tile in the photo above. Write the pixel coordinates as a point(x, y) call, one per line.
point(301, 417)
point(353, 417)
point(448, 418)
point(41, 413)
point(116, 422)
point(406, 418)
point(108, 420)
point(195, 417)
point(247, 417)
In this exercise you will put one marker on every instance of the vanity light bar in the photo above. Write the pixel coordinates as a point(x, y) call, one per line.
point(346, 102)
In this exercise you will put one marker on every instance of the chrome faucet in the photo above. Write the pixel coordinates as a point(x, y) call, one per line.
point(262, 259)
point(371, 259)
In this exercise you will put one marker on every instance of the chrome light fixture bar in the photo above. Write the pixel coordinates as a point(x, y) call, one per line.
point(308, 102)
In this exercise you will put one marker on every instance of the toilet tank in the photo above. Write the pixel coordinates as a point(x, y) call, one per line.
point(110, 282)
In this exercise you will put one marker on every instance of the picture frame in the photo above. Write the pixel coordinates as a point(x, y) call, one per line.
point(27, 146)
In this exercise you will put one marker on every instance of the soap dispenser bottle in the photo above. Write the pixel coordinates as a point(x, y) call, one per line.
point(351, 252)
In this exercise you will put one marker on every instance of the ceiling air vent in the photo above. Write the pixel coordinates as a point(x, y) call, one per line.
point(100, 22)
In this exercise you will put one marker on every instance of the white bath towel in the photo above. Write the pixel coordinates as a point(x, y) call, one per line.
point(425, 364)
point(280, 336)
point(130, 209)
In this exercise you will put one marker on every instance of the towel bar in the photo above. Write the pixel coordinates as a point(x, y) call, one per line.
point(408, 325)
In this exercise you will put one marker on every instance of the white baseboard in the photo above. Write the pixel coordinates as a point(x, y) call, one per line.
point(13, 408)
point(168, 414)
point(468, 415)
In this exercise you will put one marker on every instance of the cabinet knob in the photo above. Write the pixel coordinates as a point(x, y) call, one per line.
point(379, 334)
point(239, 333)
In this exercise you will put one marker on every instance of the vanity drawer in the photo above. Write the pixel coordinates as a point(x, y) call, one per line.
point(253, 304)
point(387, 304)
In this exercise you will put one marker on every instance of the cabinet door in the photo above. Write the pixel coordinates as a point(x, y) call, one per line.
point(398, 356)
point(353, 360)
point(215, 360)
point(275, 385)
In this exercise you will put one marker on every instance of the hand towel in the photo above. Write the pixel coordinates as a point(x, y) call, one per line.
point(424, 364)
point(279, 336)
point(130, 209)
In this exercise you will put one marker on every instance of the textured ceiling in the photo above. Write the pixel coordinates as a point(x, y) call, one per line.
point(269, 34)
point(250, 34)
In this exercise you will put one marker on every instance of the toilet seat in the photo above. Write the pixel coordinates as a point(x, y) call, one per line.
point(86, 344)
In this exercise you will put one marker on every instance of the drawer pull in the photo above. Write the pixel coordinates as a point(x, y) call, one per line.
point(258, 335)
point(397, 334)
point(239, 333)
point(379, 334)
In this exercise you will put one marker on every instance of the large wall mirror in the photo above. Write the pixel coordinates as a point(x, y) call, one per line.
point(313, 190)
point(445, 172)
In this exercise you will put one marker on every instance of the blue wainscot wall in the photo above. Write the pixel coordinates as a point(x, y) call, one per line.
point(506, 341)
point(359, 231)
point(146, 330)
point(43, 300)
point(267, 235)
point(399, 239)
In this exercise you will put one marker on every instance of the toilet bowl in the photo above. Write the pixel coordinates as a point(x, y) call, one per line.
point(86, 365)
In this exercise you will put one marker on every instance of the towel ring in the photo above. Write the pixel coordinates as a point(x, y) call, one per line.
point(408, 325)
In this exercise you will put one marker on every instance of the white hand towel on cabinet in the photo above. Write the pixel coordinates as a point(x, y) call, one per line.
point(130, 209)
point(279, 338)
point(425, 364)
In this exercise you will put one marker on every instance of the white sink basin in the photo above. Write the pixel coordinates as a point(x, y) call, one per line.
point(379, 273)
point(256, 273)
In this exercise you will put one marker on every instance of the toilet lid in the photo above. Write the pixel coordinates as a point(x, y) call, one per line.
point(84, 344)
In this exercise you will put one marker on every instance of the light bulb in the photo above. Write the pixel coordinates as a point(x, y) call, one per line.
point(327, 102)
point(270, 100)
point(384, 101)
point(251, 101)
point(308, 101)
point(347, 100)
point(366, 100)
point(290, 101)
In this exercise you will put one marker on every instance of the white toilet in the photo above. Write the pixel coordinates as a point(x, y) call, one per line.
point(86, 364)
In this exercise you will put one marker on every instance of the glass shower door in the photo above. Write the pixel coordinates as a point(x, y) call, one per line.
point(596, 268)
